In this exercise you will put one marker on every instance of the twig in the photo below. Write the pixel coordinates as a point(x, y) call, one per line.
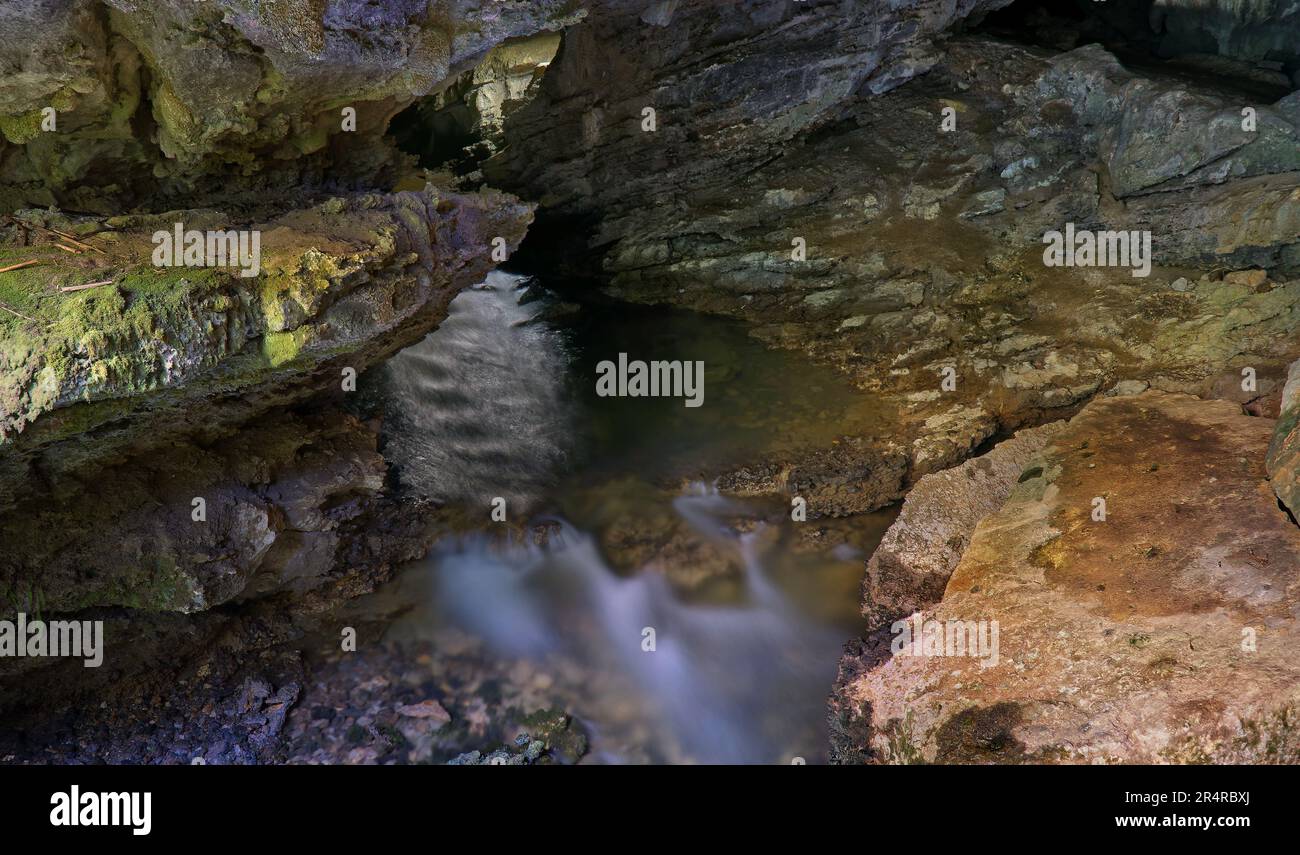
point(87, 285)
point(20, 265)
point(19, 314)
point(70, 239)
point(68, 249)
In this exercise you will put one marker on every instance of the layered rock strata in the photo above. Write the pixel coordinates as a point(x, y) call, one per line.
point(224, 102)
point(841, 216)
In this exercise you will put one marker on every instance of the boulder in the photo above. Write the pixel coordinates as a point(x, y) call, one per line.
point(1163, 633)
point(910, 568)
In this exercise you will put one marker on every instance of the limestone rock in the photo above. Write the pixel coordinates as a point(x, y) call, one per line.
point(343, 284)
point(920, 258)
point(1164, 633)
point(256, 93)
point(1284, 449)
point(911, 566)
point(288, 506)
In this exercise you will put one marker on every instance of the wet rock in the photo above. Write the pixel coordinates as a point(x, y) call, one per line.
point(373, 692)
point(853, 476)
point(429, 709)
point(1162, 633)
point(669, 546)
point(910, 568)
point(555, 734)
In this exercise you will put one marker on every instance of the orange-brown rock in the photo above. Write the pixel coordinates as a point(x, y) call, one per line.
point(1164, 633)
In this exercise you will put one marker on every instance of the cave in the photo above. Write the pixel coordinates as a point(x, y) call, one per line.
point(578, 383)
point(1202, 45)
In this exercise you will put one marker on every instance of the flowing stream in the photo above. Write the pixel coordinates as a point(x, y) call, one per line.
point(676, 624)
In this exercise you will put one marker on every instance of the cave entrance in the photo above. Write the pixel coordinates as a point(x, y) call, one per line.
point(1251, 55)
point(1118, 25)
point(462, 125)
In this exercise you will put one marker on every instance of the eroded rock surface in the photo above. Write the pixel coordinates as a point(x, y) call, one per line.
point(911, 566)
point(286, 506)
point(344, 283)
point(1162, 634)
point(224, 99)
point(1284, 450)
point(924, 246)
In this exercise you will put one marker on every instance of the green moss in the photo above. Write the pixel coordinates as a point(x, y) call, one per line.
point(981, 735)
point(1281, 433)
point(23, 290)
point(107, 338)
point(312, 140)
point(22, 128)
point(162, 587)
point(282, 348)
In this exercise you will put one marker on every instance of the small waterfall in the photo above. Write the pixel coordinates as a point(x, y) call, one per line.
point(733, 683)
point(738, 673)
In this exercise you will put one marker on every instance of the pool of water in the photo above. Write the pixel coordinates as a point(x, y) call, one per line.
point(676, 624)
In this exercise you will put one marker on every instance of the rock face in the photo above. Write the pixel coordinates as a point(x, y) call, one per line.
point(730, 86)
point(190, 413)
point(1117, 637)
point(1284, 450)
point(924, 246)
point(252, 103)
point(911, 566)
point(356, 277)
point(1254, 31)
point(464, 123)
point(285, 504)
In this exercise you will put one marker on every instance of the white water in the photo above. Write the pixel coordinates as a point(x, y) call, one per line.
point(480, 409)
point(733, 683)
